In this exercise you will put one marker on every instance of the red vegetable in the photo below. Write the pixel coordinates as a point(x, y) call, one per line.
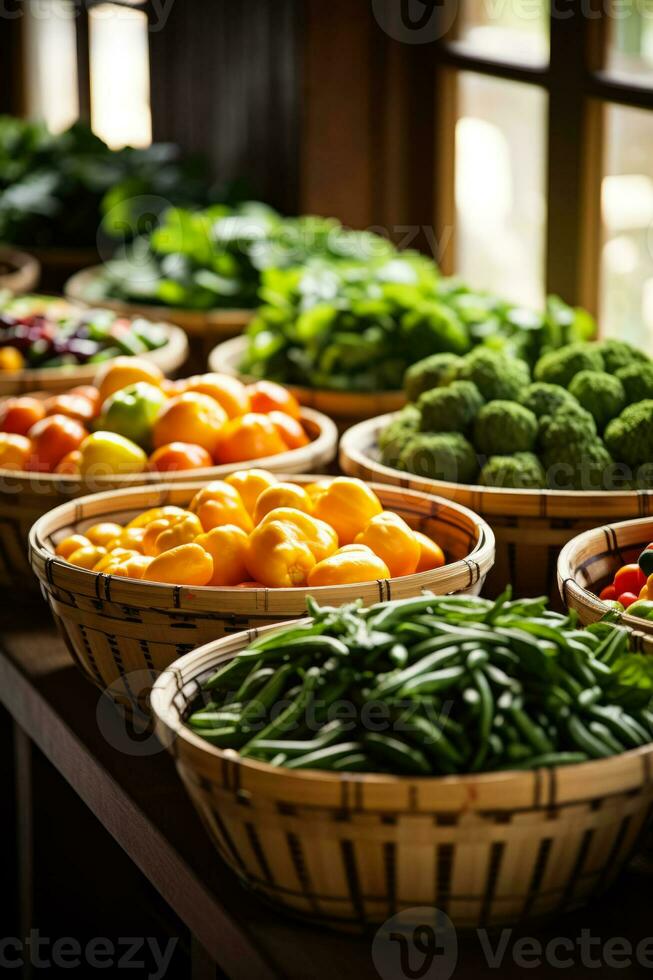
point(627, 598)
point(609, 594)
point(630, 578)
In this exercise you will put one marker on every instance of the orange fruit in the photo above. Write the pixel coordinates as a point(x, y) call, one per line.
point(251, 436)
point(52, 439)
point(250, 484)
point(123, 371)
point(431, 554)
point(74, 406)
point(15, 451)
point(268, 396)
point(89, 392)
point(348, 505)
point(70, 465)
point(230, 393)
point(227, 546)
point(290, 429)
point(18, 415)
point(190, 417)
point(179, 456)
point(389, 537)
point(282, 495)
point(219, 503)
point(11, 359)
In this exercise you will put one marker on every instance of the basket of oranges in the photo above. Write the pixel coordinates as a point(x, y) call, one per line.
point(137, 577)
point(132, 427)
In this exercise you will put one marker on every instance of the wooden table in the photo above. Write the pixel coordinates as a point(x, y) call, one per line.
point(140, 801)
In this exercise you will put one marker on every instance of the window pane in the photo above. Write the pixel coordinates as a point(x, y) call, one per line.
point(626, 301)
point(500, 186)
point(51, 63)
point(630, 41)
point(516, 31)
point(120, 75)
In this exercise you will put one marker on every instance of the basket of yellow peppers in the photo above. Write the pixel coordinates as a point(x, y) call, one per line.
point(137, 577)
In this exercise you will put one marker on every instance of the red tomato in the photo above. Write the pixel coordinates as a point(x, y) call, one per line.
point(609, 594)
point(627, 598)
point(630, 578)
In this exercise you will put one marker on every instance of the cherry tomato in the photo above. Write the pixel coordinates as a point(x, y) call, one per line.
point(609, 593)
point(630, 578)
point(627, 598)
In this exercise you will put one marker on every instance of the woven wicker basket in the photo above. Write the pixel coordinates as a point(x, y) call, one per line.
point(212, 325)
point(24, 497)
point(531, 526)
point(24, 271)
point(351, 850)
point(115, 627)
point(344, 407)
point(589, 561)
point(169, 358)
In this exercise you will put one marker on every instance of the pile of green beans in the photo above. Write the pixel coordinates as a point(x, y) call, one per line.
point(435, 685)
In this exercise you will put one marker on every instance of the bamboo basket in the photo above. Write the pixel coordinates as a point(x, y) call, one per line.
point(209, 325)
point(169, 358)
point(349, 850)
point(531, 526)
point(24, 271)
point(119, 629)
point(344, 407)
point(589, 561)
point(25, 497)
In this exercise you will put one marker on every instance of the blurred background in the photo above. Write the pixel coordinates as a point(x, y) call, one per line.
point(512, 142)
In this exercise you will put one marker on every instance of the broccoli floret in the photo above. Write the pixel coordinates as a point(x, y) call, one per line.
point(558, 367)
point(637, 380)
point(522, 471)
point(440, 456)
point(630, 437)
point(600, 394)
point(432, 327)
point(544, 399)
point(581, 466)
point(618, 354)
point(497, 376)
point(503, 428)
point(451, 409)
point(431, 372)
point(393, 438)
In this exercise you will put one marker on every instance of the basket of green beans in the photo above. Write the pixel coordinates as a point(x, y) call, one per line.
point(339, 759)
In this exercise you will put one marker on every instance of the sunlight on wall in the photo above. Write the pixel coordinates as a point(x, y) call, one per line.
point(51, 63)
point(120, 76)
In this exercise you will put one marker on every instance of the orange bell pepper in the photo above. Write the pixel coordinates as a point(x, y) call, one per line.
point(389, 537)
point(228, 546)
point(277, 556)
point(219, 503)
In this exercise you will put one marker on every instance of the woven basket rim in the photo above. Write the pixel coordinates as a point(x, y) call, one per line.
point(178, 676)
point(324, 443)
point(25, 273)
point(170, 357)
point(351, 451)
point(595, 606)
point(224, 356)
point(74, 289)
point(481, 558)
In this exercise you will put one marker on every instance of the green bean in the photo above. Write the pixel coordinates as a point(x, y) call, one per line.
point(226, 737)
point(438, 680)
point(289, 717)
point(396, 681)
point(356, 762)
point(328, 735)
point(213, 719)
point(268, 695)
point(432, 738)
point(585, 740)
point(499, 677)
point(549, 760)
point(589, 696)
point(620, 725)
point(398, 655)
point(254, 681)
point(476, 658)
point(486, 716)
point(401, 756)
point(605, 735)
point(324, 758)
point(534, 734)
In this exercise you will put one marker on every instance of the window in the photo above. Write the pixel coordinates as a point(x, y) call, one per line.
point(51, 63)
point(548, 183)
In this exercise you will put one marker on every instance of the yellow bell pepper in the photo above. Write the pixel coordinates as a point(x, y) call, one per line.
point(164, 534)
point(228, 547)
point(104, 533)
point(389, 537)
point(348, 505)
point(188, 564)
point(86, 557)
point(250, 484)
point(155, 514)
point(70, 544)
point(277, 556)
point(318, 535)
point(219, 503)
point(125, 566)
point(349, 566)
point(282, 495)
point(431, 554)
point(130, 537)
